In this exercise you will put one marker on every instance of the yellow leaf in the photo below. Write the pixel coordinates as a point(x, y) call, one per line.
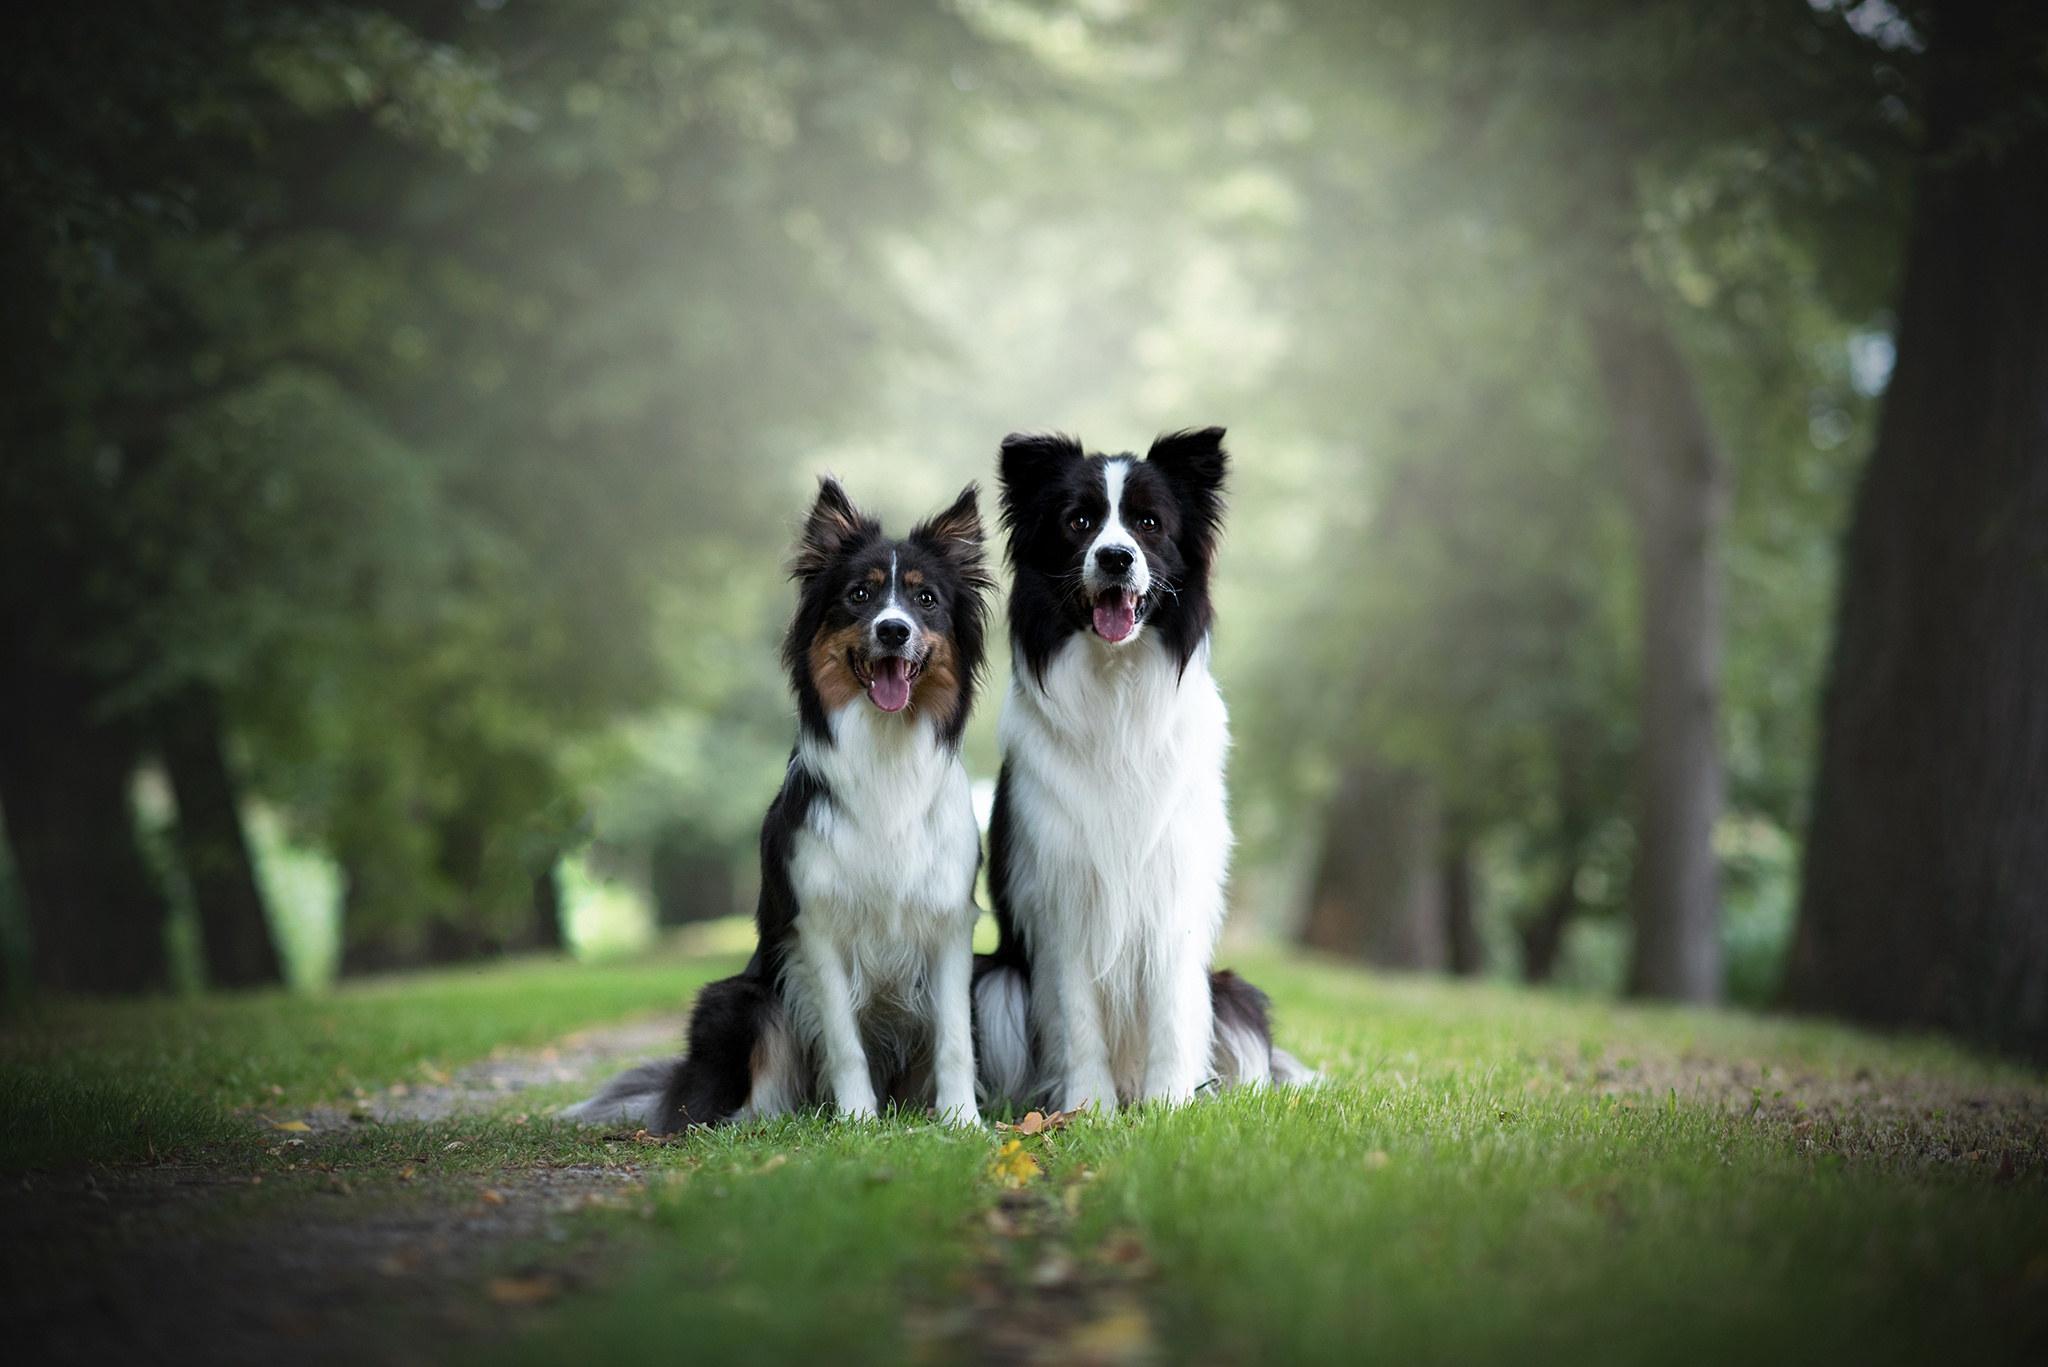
point(1012, 1166)
point(295, 1126)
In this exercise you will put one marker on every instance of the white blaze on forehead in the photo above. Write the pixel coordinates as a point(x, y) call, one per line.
point(891, 612)
point(1115, 534)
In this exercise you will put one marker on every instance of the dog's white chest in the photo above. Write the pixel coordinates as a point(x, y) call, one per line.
point(888, 859)
point(1120, 752)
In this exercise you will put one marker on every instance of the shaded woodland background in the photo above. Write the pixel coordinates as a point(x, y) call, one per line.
point(1640, 411)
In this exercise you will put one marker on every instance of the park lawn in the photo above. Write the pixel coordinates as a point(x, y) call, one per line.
point(1490, 1174)
point(87, 1080)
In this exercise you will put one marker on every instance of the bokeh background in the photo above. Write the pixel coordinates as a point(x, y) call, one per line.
point(408, 407)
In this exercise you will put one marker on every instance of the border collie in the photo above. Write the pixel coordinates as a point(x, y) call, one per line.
point(859, 988)
point(1110, 838)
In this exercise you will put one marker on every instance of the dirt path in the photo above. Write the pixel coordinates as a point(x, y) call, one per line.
point(207, 1263)
point(585, 1058)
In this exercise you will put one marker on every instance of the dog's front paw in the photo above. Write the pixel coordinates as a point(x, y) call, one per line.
point(964, 1115)
point(857, 1103)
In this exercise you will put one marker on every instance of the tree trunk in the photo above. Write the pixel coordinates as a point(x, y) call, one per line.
point(95, 913)
point(1468, 957)
point(1377, 895)
point(1925, 890)
point(547, 909)
point(233, 926)
point(1677, 484)
point(1543, 937)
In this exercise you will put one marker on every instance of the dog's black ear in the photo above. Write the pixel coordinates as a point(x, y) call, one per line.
point(957, 535)
point(832, 525)
point(1031, 461)
point(1193, 459)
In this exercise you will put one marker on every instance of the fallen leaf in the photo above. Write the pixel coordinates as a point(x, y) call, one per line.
point(496, 1198)
point(295, 1126)
point(529, 1290)
point(1038, 1122)
point(774, 1162)
point(399, 1089)
point(406, 1174)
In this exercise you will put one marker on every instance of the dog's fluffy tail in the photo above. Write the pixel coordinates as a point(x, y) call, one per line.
point(1242, 1052)
point(741, 1059)
point(1002, 1034)
point(631, 1098)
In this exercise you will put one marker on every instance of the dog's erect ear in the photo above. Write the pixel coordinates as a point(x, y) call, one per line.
point(1030, 461)
point(833, 525)
point(957, 534)
point(1193, 459)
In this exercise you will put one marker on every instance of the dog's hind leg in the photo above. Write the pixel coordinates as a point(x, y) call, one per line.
point(733, 1029)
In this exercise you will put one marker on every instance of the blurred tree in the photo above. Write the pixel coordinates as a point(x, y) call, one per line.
point(1562, 125)
point(1925, 896)
point(373, 368)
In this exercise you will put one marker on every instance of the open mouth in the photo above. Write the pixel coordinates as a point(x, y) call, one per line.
point(887, 678)
point(1116, 614)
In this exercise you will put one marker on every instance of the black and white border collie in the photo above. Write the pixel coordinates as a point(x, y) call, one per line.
point(859, 988)
point(1110, 839)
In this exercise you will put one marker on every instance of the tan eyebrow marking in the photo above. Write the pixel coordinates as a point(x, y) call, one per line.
point(913, 578)
point(877, 577)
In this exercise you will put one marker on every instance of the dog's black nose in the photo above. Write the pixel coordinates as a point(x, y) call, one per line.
point(1114, 560)
point(892, 633)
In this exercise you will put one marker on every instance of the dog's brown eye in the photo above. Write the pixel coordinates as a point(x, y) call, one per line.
point(1148, 523)
point(1079, 522)
point(926, 598)
point(859, 593)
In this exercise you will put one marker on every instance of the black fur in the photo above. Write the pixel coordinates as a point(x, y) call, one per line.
point(1047, 478)
point(839, 544)
point(1238, 1005)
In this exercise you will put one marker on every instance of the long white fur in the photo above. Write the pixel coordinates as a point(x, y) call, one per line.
point(881, 954)
point(1120, 845)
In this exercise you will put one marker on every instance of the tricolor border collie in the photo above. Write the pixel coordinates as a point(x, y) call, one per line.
point(858, 991)
point(1110, 839)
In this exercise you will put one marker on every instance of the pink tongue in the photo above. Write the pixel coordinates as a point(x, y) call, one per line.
point(1115, 622)
point(891, 688)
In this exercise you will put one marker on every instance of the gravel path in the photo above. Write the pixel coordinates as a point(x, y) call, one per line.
point(206, 1263)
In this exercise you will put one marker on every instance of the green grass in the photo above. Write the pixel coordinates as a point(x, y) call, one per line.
point(798, 1240)
point(1490, 1175)
point(112, 1080)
